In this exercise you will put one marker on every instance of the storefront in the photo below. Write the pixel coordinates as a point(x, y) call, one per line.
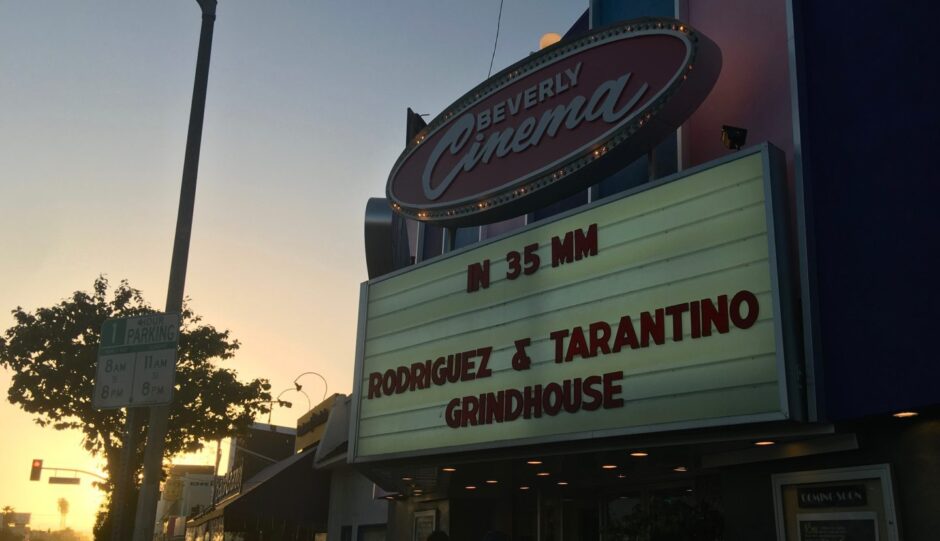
point(310, 495)
point(271, 489)
point(287, 500)
point(668, 351)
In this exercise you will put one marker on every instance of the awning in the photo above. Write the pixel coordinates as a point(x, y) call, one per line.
point(287, 492)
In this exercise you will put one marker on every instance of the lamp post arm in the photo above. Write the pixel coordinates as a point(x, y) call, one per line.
point(309, 404)
point(75, 471)
point(325, 384)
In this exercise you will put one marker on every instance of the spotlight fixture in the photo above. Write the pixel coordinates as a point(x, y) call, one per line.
point(491, 481)
point(470, 487)
point(621, 476)
point(905, 414)
point(639, 454)
point(562, 483)
point(449, 469)
point(543, 474)
point(523, 487)
point(407, 478)
point(680, 469)
point(733, 137)
point(533, 462)
point(609, 467)
point(764, 443)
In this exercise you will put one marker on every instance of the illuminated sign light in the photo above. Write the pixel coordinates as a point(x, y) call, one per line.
point(554, 123)
point(661, 309)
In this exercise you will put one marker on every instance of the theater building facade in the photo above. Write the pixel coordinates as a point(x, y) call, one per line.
point(668, 281)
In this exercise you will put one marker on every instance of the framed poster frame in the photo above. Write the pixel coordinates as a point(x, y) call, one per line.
point(841, 516)
point(420, 518)
point(881, 472)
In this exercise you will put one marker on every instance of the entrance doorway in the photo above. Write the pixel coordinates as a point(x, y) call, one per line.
point(660, 512)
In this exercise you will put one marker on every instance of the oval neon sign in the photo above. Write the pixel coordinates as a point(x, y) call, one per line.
point(554, 123)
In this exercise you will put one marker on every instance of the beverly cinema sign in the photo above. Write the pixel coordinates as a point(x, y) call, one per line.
point(554, 123)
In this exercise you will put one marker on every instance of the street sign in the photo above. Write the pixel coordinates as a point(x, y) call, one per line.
point(64, 480)
point(136, 361)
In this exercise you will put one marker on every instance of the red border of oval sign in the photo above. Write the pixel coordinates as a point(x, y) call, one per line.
point(560, 120)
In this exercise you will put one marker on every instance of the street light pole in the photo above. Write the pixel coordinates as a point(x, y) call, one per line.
point(123, 482)
point(159, 415)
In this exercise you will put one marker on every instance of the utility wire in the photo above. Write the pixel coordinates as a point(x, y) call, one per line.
point(496, 41)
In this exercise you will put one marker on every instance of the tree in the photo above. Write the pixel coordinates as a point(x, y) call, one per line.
point(63, 511)
point(52, 353)
point(8, 513)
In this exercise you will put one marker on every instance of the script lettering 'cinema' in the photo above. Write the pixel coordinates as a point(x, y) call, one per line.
point(606, 103)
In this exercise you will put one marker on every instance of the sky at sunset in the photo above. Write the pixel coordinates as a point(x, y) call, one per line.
point(305, 117)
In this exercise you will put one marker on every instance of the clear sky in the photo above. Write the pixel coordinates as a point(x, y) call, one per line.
point(305, 117)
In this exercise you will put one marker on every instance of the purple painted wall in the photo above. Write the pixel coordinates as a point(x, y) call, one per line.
point(753, 90)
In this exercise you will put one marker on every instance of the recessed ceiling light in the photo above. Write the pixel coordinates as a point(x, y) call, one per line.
point(543, 474)
point(688, 490)
point(905, 414)
point(621, 476)
point(533, 462)
point(764, 443)
point(448, 469)
point(639, 454)
point(680, 469)
point(562, 483)
point(609, 466)
point(470, 487)
point(491, 481)
point(406, 478)
point(523, 487)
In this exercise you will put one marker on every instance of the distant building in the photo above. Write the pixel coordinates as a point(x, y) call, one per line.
point(17, 524)
point(186, 491)
point(310, 494)
point(259, 447)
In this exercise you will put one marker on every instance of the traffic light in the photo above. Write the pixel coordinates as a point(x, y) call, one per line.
point(36, 471)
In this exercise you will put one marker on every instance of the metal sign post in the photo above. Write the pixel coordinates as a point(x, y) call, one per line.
point(159, 415)
point(136, 367)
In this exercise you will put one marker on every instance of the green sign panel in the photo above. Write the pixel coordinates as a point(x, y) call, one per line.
point(136, 361)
